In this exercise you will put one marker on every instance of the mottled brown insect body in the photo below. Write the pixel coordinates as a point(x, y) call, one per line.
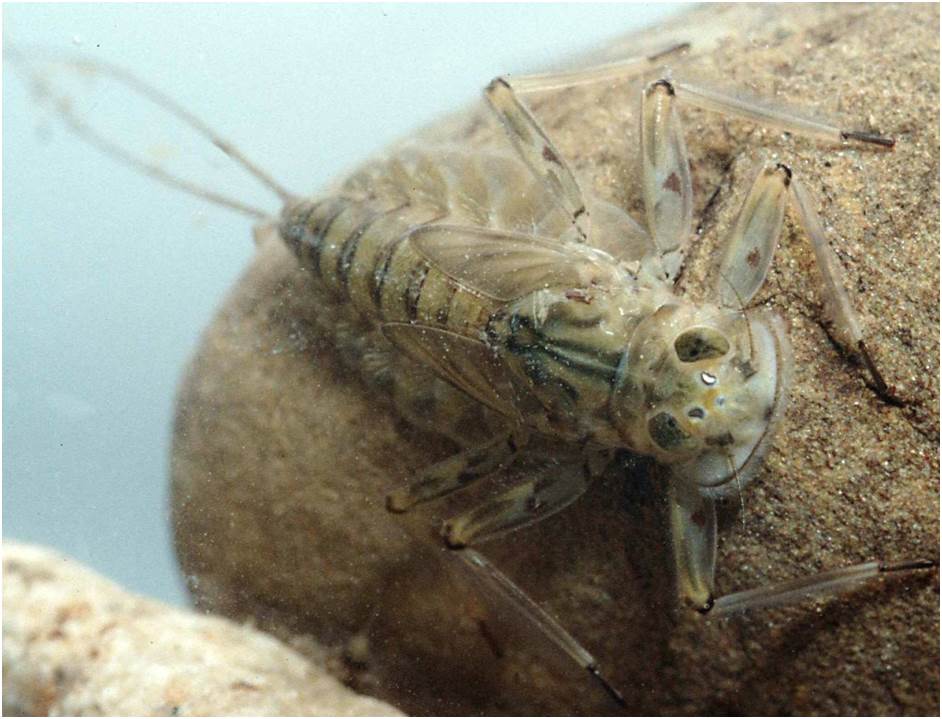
point(365, 246)
point(357, 241)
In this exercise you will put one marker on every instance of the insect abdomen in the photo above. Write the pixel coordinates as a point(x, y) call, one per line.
point(357, 241)
point(360, 251)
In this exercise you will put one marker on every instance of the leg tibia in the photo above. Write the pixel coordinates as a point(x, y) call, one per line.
point(729, 105)
point(830, 582)
point(503, 594)
point(838, 310)
point(610, 72)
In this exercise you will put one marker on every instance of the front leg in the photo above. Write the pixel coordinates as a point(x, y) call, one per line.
point(693, 535)
point(693, 525)
point(749, 251)
point(748, 254)
point(838, 310)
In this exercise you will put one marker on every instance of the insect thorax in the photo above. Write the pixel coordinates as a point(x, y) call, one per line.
point(564, 348)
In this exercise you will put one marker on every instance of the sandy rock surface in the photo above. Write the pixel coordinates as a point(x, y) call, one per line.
point(76, 644)
point(282, 459)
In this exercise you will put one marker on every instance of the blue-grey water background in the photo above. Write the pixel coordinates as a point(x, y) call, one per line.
point(109, 277)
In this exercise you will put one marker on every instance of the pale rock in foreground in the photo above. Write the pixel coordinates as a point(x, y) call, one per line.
point(74, 643)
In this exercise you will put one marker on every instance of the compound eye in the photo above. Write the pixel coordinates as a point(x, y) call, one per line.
point(666, 432)
point(700, 343)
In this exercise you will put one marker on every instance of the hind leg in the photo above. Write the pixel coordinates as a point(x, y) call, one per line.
point(531, 142)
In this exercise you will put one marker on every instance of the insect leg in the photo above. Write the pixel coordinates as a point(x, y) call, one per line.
point(455, 472)
point(554, 488)
point(829, 582)
point(737, 107)
point(837, 306)
point(748, 256)
point(502, 591)
point(693, 535)
point(538, 152)
point(751, 245)
point(609, 72)
point(665, 170)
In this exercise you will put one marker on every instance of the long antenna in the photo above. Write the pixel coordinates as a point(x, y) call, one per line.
point(742, 501)
point(742, 311)
point(63, 105)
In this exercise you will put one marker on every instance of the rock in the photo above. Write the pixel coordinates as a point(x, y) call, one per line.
point(282, 457)
point(76, 644)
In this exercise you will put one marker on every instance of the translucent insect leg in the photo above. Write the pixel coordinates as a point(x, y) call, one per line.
point(665, 170)
point(553, 488)
point(538, 152)
point(693, 534)
point(500, 590)
point(455, 472)
point(532, 143)
point(609, 72)
point(693, 526)
point(830, 582)
point(751, 245)
point(838, 310)
point(738, 107)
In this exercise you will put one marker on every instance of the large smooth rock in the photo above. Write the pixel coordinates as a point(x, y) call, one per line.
point(282, 456)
